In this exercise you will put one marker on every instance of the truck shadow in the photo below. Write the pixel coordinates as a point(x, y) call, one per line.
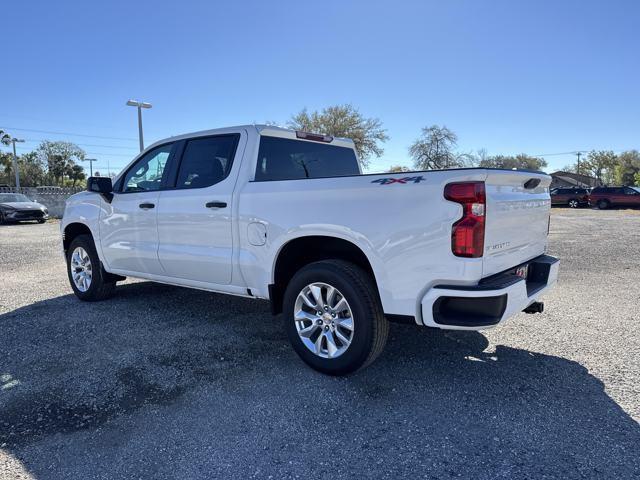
point(434, 400)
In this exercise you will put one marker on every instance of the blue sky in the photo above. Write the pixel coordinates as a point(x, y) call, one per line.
point(536, 77)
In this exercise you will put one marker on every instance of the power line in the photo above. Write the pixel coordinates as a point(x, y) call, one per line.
point(94, 153)
point(56, 122)
point(31, 140)
point(561, 153)
point(71, 134)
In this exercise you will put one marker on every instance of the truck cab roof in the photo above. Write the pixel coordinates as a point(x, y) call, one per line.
point(261, 129)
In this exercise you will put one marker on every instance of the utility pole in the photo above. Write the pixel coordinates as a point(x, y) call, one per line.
point(140, 105)
point(15, 163)
point(578, 166)
point(90, 160)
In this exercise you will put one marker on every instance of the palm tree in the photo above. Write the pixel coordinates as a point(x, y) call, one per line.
point(5, 138)
point(5, 159)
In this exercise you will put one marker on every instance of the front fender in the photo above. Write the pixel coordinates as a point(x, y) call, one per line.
point(84, 208)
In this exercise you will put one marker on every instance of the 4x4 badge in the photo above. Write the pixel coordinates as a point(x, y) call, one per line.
point(389, 181)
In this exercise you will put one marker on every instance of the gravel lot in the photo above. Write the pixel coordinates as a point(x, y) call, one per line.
point(164, 382)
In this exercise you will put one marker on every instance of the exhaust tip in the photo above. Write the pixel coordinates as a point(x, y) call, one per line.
point(535, 307)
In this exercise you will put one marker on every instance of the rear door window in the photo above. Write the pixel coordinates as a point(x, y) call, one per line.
point(287, 159)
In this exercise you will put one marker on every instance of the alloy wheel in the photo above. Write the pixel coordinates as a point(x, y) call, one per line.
point(324, 320)
point(81, 270)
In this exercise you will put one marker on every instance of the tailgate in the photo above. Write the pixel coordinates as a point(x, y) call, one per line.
point(517, 219)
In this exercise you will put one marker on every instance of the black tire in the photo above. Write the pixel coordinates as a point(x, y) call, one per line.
point(574, 203)
point(102, 285)
point(41, 221)
point(370, 327)
point(603, 204)
point(1, 218)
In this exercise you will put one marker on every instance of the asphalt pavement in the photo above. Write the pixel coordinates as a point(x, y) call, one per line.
point(169, 383)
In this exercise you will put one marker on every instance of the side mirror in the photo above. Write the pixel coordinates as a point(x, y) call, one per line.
point(101, 185)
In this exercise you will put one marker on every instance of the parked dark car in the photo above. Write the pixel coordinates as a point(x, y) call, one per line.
point(605, 197)
point(16, 207)
point(573, 197)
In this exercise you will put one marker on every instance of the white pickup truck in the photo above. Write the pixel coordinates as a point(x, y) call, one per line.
point(265, 212)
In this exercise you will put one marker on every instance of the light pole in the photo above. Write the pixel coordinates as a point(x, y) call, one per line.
point(15, 161)
point(90, 160)
point(140, 105)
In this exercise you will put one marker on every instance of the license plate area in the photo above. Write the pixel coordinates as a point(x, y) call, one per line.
point(522, 271)
point(535, 273)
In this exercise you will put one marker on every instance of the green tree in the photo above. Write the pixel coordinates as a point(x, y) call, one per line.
point(59, 157)
point(32, 172)
point(30, 167)
point(5, 138)
point(521, 161)
point(345, 121)
point(600, 164)
point(76, 174)
point(636, 178)
point(627, 167)
point(436, 149)
point(6, 168)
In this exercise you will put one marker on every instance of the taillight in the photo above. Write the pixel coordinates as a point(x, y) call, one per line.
point(467, 234)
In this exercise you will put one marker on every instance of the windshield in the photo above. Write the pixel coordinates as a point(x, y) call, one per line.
point(637, 189)
point(13, 197)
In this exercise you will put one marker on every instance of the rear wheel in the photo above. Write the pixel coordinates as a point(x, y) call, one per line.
point(573, 203)
point(333, 317)
point(603, 204)
point(89, 280)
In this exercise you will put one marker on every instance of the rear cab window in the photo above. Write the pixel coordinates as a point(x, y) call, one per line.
point(288, 159)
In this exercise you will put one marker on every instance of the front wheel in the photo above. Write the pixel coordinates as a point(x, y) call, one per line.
point(603, 204)
point(334, 318)
point(89, 280)
point(573, 203)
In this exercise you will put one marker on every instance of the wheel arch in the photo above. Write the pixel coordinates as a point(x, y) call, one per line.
point(73, 230)
point(303, 250)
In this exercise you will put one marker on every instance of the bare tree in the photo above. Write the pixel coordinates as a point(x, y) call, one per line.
point(435, 150)
point(345, 121)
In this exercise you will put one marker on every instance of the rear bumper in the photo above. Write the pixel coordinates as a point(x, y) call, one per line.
point(492, 301)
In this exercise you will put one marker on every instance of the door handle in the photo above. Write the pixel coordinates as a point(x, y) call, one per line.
point(216, 204)
point(146, 206)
